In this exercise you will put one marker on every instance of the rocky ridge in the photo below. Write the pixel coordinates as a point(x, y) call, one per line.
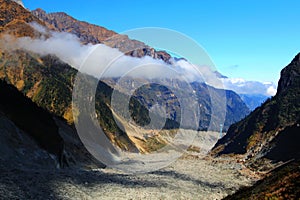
point(89, 33)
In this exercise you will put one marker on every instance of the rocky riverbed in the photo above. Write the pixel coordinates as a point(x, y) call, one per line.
point(189, 177)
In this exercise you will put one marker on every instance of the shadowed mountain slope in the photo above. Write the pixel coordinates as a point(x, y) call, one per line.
point(271, 125)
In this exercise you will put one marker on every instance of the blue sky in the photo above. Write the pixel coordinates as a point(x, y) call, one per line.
point(253, 39)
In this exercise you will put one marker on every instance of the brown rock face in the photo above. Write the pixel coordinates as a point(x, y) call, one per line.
point(89, 33)
point(62, 22)
point(14, 19)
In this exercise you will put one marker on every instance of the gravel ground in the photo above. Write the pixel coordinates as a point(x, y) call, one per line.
point(187, 178)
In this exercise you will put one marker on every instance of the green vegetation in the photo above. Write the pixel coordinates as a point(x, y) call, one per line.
point(154, 144)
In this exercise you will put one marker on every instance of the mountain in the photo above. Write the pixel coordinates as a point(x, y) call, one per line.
point(235, 109)
point(88, 33)
point(14, 19)
point(270, 132)
point(253, 100)
point(48, 82)
point(151, 94)
point(62, 22)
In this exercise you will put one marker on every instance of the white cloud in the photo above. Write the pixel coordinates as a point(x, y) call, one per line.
point(106, 61)
point(237, 80)
point(242, 86)
point(271, 91)
point(101, 60)
point(64, 45)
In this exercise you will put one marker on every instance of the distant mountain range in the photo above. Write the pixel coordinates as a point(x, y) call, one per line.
point(253, 100)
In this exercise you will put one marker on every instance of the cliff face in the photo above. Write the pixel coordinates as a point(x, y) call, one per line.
point(270, 131)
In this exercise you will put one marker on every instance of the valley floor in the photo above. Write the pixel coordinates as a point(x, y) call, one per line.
point(187, 178)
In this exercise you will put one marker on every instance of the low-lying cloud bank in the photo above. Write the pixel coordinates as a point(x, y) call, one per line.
point(101, 58)
point(242, 86)
point(103, 61)
point(63, 45)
